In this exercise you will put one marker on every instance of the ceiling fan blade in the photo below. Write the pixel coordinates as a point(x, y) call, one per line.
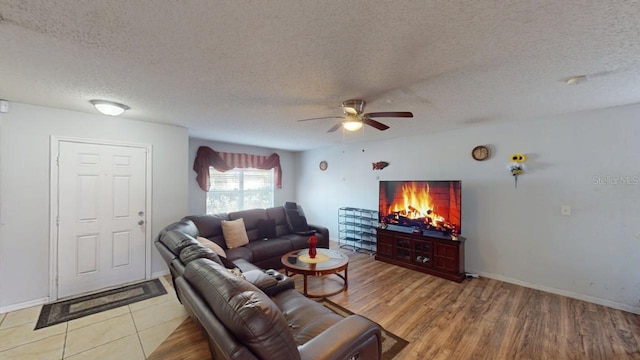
point(391, 114)
point(378, 125)
point(325, 117)
point(335, 127)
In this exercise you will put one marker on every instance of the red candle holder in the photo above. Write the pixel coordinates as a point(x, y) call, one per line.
point(313, 241)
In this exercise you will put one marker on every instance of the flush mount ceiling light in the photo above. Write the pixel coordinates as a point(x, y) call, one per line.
point(575, 80)
point(352, 123)
point(109, 107)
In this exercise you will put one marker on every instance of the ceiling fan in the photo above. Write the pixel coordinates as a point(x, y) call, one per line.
point(354, 119)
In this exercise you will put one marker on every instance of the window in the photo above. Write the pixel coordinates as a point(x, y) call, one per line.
point(239, 189)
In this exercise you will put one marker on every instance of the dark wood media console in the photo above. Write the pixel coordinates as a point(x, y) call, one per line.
point(432, 255)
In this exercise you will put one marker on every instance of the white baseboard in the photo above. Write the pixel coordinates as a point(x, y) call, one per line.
point(158, 274)
point(569, 294)
point(24, 305)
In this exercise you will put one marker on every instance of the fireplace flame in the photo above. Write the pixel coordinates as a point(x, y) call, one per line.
point(416, 204)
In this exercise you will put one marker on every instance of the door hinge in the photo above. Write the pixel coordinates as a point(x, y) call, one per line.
point(57, 220)
point(57, 160)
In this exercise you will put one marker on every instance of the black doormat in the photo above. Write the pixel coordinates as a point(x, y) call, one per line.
point(72, 309)
point(391, 344)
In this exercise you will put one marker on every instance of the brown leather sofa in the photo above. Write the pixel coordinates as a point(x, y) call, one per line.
point(177, 245)
point(256, 255)
point(262, 253)
point(242, 322)
point(259, 315)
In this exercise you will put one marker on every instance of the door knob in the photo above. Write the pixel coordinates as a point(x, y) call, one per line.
point(141, 222)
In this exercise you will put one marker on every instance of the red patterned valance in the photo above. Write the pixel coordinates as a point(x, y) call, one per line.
point(221, 161)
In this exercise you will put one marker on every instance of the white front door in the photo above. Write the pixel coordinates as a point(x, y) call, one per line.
point(101, 216)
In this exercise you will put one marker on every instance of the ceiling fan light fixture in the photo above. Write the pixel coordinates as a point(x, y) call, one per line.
point(109, 107)
point(349, 110)
point(353, 106)
point(354, 118)
point(352, 124)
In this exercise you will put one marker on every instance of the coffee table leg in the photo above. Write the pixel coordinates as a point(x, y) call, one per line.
point(346, 281)
point(305, 285)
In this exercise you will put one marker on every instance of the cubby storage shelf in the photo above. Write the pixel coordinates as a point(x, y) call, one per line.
point(357, 229)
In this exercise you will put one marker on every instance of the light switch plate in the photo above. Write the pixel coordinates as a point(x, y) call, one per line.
point(565, 210)
point(4, 106)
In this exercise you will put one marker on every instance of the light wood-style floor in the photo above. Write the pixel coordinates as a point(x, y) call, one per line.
point(477, 319)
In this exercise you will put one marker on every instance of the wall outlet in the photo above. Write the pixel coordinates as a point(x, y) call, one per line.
point(565, 210)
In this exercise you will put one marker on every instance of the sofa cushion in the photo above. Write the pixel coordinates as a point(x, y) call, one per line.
point(278, 215)
point(267, 228)
point(267, 249)
point(175, 241)
point(250, 218)
point(297, 241)
point(211, 245)
point(240, 253)
point(307, 319)
point(296, 219)
point(235, 234)
point(208, 225)
point(248, 313)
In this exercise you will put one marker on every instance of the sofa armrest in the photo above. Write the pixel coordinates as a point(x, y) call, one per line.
point(353, 335)
point(323, 239)
point(269, 281)
point(284, 283)
point(260, 279)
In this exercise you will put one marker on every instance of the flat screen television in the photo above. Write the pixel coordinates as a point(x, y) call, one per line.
point(430, 207)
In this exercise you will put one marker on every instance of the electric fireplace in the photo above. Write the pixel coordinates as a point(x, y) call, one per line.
point(428, 207)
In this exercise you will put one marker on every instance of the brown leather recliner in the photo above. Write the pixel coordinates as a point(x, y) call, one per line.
point(241, 322)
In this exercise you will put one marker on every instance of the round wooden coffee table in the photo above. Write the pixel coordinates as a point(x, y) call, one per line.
point(326, 262)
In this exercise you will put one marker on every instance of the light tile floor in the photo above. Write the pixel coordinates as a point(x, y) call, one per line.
point(128, 332)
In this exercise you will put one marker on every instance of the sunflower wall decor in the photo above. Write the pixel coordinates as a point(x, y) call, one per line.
point(517, 166)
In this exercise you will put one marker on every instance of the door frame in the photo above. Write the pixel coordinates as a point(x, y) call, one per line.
point(54, 199)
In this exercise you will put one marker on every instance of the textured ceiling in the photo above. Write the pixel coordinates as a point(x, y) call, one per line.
point(245, 71)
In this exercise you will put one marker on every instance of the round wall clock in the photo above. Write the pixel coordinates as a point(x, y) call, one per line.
point(323, 165)
point(480, 153)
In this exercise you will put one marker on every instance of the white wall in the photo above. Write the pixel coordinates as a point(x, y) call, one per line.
point(198, 198)
point(24, 187)
point(516, 235)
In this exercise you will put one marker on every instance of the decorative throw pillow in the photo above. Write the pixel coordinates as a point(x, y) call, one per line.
point(267, 228)
point(235, 234)
point(213, 246)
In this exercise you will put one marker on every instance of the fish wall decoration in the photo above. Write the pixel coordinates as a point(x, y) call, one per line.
point(380, 165)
